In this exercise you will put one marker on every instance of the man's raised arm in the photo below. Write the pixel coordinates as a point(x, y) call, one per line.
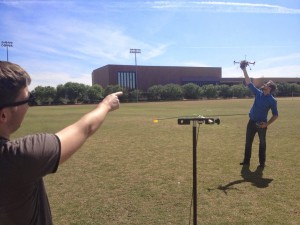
point(243, 66)
point(73, 136)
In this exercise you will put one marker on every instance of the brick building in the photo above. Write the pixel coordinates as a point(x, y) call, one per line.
point(143, 77)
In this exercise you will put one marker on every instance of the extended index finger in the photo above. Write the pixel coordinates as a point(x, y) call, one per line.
point(119, 93)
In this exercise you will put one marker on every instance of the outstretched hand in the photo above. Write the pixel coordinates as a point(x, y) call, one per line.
point(112, 100)
point(86, 126)
point(243, 64)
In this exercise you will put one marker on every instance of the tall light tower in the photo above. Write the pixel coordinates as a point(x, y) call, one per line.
point(6, 44)
point(135, 51)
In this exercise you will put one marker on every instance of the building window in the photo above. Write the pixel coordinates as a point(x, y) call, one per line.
point(127, 79)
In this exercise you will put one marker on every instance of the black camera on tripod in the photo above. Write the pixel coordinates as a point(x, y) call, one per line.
point(199, 119)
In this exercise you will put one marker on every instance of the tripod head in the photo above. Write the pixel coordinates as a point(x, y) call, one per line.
point(199, 119)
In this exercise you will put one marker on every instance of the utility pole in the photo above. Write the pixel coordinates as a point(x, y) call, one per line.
point(6, 44)
point(135, 51)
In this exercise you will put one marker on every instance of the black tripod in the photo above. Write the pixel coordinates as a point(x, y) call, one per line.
point(196, 120)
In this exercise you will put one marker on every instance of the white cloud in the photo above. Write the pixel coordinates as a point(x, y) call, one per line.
point(62, 48)
point(55, 78)
point(154, 51)
point(221, 6)
point(84, 41)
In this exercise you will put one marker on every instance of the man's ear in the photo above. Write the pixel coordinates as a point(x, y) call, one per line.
point(3, 115)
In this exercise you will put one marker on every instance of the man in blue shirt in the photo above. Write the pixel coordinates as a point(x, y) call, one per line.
point(258, 117)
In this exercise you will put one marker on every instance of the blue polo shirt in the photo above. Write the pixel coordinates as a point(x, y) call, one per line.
point(262, 104)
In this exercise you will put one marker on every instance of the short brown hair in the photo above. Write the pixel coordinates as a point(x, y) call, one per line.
point(12, 79)
point(272, 85)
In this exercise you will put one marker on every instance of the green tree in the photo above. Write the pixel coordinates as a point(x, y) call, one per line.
point(135, 95)
point(155, 92)
point(44, 95)
point(224, 91)
point(210, 91)
point(61, 97)
point(191, 91)
point(295, 89)
point(75, 92)
point(172, 92)
point(95, 93)
point(240, 91)
point(284, 89)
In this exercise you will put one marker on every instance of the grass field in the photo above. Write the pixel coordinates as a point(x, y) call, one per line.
point(136, 172)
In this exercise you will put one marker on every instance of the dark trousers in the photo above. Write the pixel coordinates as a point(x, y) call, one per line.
point(252, 129)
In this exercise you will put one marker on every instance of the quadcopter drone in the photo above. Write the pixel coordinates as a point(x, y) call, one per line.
point(244, 63)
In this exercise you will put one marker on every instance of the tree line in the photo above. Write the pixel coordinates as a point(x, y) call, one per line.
point(76, 93)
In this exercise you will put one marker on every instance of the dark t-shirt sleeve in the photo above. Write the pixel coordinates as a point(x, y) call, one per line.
point(23, 163)
point(37, 155)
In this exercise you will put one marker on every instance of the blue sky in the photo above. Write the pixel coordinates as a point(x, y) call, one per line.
point(62, 41)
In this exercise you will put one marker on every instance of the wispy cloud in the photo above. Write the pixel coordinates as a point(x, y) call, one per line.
point(85, 41)
point(54, 79)
point(115, 5)
point(219, 6)
point(237, 46)
point(61, 41)
point(82, 45)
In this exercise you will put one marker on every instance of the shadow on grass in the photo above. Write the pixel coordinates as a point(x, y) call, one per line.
point(255, 178)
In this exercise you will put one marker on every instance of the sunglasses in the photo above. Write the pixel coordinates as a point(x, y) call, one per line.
point(30, 101)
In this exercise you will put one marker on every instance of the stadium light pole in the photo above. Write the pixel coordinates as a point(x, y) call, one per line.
point(135, 51)
point(7, 44)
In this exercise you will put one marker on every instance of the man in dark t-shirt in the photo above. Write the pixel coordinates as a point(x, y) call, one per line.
point(25, 161)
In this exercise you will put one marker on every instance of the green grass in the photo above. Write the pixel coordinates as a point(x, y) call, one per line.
point(134, 171)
